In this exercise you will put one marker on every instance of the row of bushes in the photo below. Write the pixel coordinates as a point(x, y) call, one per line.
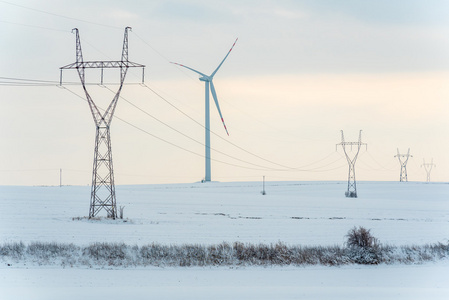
point(362, 249)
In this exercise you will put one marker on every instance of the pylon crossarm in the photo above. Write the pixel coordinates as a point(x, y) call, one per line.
point(81, 66)
point(353, 143)
point(102, 65)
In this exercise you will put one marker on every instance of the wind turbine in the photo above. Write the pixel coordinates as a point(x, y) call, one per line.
point(208, 82)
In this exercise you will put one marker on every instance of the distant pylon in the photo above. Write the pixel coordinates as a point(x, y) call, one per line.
point(403, 175)
point(428, 168)
point(103, 188)
point(352, 186)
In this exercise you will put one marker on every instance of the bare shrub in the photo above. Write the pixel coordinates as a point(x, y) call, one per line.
point(364, 256)
point(304, 255)
point(13, 250)
point(363, 247)
point(333, 256)
point(361, 237)
point(281, 254)
point(221, 254)
point(439, 250)
point(193, 255)
point(52, 253)
point(108, 253)
point(155, 254)
point(239, 251)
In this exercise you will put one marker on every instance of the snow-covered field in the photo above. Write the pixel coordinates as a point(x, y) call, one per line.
point(306, 213)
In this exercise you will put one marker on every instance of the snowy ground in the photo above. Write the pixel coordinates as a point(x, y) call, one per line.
point(292, 212)
point(385, 282)
point(308, 213)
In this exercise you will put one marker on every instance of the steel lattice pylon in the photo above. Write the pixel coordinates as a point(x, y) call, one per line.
point(428, 167)
point(352, 185)
point(103, 188)
point(403, 175)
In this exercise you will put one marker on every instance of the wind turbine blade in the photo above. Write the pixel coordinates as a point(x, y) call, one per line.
point(214, 95)
point(189, 69)
point(223, 59)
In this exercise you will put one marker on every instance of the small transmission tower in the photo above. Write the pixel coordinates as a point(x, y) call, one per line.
point(403, 175)
point(103, 188)
point(352, 187)
point(428, 167)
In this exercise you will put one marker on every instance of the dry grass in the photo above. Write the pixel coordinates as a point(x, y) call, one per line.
point(360, 248)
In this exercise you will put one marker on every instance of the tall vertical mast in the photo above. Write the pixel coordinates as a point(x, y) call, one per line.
point(352, 184)
point(207, 135)
point(403, 163)
point(103, 186)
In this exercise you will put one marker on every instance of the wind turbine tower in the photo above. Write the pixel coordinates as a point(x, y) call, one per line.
point(428, 168)
point(352, 186)
point(209, 84)
point(403, 175)
point(103, 188)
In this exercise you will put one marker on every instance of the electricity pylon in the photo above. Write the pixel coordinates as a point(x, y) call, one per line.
point(403, 175)
point(103, 188)
point(428, 168)
point(352, 186)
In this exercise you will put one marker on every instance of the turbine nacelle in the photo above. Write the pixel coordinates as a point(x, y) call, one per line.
point(205, 79)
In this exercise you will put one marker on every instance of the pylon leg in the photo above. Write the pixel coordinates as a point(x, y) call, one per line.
point(352, 186)
point(103, 188)
point(403, 177)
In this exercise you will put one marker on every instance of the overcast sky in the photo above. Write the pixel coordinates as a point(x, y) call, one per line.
point(300, 72)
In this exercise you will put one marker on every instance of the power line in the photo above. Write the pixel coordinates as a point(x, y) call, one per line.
point(227, 141)
point(379, 164)
point(165, 58)
point(10, 81)
point(30, 80)
point(190, 77)
point(149, 45)
point(218, 151)
point(58, 15)
point(33, 26)
point(185, 135)
point(30, 84)
point(29, 170)
point(14, 81)
point(164, 140)
point(200, 155)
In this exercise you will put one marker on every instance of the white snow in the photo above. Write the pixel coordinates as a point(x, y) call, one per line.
point(307, 213)
point(382, 282)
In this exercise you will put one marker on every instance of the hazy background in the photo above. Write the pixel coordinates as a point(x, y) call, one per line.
point(300, 72)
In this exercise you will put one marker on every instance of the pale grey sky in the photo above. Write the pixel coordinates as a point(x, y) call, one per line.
point(300, 72)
